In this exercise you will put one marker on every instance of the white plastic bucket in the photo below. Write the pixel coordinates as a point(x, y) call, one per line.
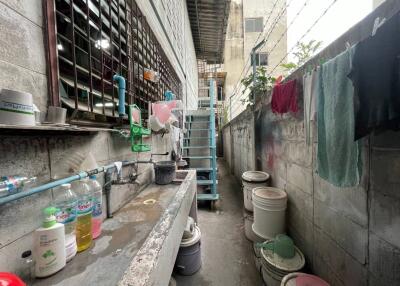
point(302, 279)
point(269, 211)
point(248, 230)
point(251, 180)
point(274, 268)
point(188, 260)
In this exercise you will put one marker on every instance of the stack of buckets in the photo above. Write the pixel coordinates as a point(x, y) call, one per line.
point(188, 261)
point(251, 180)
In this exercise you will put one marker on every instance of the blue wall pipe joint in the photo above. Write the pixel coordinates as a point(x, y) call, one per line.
point(121, 94)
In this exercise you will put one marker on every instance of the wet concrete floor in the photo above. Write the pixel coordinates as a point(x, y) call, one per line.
point(226, 253)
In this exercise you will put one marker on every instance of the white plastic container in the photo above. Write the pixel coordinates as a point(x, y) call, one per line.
point(66, 202)
point(16, 108)
point(269, 211)
point(302, 279)
point(274, 267)
point(251, 180)
point(49, 245)
point(248, 231)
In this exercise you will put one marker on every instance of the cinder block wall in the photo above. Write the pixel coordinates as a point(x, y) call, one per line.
point(23, 68)
point(350, 236)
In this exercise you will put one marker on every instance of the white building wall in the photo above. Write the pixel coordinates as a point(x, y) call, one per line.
point(169, 21)
point(239, 44)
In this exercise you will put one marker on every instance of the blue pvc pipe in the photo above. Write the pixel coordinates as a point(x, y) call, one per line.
point(121, 94)
point(53, 184)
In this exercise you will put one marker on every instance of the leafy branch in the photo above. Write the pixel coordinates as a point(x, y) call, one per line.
point(303, 52)
point(262, 83)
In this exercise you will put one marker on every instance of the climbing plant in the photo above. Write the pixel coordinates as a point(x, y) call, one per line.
point(303, 52)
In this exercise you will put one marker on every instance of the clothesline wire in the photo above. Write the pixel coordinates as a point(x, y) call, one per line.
point(266, 38)
point(299, 41)
point(258, 37)
point(304, 35)
point(282, 35)
point(288, 27)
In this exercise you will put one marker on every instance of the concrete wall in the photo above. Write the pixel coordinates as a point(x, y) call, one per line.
point(348, 235)
point(23, 68)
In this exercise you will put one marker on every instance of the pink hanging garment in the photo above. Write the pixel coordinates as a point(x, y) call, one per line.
point(284, 97)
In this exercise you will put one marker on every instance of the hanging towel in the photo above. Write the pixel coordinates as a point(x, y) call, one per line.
point(310, 85)
point(376, 79)
point(284, 97)
point(338, 156)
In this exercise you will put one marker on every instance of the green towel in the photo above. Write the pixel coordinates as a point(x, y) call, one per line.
point(338, 156)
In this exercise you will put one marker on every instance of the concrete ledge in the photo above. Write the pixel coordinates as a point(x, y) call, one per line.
point(138, 246)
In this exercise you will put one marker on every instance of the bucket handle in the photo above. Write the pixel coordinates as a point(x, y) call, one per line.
point(180, 267)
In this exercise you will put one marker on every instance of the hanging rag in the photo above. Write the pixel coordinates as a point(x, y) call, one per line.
point(338, 156)
point(284, 97)
point(376, 78)
point(310, 85)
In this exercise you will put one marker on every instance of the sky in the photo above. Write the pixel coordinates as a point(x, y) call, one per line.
point(341, 17)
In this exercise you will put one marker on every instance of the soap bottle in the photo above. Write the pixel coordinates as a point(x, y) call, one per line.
point(49, 245)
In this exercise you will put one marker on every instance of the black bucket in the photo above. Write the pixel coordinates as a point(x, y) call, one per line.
point(188, 260)
point(164, 172)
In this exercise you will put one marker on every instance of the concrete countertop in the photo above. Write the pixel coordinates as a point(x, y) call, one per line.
point(138, 246)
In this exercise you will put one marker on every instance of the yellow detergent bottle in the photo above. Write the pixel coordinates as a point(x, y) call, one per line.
point(84, 215)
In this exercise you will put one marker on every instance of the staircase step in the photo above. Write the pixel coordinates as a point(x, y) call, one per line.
point(198, 121)
point(207, 197)
point(198, 147)
point(197, 157)
point(202, 169)
point(199, 129)
point(205, 182)
point(188, 138)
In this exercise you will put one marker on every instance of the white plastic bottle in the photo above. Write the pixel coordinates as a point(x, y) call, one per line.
point(49, 245)
point(97, 220)
point(66, 201)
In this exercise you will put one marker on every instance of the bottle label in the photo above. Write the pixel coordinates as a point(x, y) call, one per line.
point(96, 207)
point(85, 205)
point(66, 213)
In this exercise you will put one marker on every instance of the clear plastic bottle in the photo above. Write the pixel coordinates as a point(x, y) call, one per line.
point(66, 202)
point(84, 214)
point(13, 184)
point(27, 273)
point(97, 220)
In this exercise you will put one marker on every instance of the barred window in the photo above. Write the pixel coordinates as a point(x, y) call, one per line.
point(92, 41)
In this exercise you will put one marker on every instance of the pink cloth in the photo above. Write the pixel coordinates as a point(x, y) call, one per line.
point(284, 97)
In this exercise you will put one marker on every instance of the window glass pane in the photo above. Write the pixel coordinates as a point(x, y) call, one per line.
point(258, 24)
point(249, 25)
point(262, 59)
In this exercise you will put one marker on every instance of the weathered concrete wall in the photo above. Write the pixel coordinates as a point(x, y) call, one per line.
point(348, 235)
point(238, 142)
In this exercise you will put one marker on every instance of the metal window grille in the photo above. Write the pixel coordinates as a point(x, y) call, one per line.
point(95, 39)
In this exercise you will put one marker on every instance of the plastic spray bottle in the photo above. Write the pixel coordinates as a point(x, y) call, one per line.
point(97, 220)
point(66, 202)
point(84, 214)
point(49, 245)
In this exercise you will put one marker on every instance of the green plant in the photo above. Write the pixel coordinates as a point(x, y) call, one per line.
point(303, 52)
point(262, 83)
